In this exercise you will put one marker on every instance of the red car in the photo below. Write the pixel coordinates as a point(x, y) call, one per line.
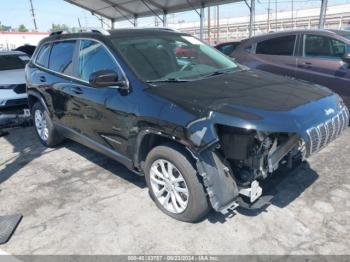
point(183, 51)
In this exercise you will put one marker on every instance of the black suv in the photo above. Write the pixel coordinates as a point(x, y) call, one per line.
point(202, 129)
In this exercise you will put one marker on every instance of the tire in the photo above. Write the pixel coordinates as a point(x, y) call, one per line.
point(197, 202)
point(47, 134)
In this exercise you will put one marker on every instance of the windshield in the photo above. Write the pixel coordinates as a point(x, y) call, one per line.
point(171, 57)
point(11, 62)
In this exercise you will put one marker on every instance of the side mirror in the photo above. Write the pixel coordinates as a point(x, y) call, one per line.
point(346, 58)
point(106, 78)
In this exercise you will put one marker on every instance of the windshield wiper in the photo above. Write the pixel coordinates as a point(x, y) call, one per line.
point(168, 80)
point(218, 72)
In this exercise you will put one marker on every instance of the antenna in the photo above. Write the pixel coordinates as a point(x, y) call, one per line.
point(33, 14)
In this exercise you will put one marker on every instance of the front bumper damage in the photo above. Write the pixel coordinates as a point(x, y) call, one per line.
point(300, 141)
point(221, 184)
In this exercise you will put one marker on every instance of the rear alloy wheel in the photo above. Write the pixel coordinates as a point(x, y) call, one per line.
point(44, 127)
point(41, 125)
point(174, 183)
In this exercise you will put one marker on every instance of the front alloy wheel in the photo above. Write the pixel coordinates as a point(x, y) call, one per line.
point(169, 186)
point(174, 183)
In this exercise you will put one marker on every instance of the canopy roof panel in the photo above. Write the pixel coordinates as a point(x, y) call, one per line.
point(119, 10)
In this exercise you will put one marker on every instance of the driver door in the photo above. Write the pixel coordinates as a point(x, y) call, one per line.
point(91, 116)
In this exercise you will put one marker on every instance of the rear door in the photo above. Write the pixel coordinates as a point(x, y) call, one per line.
point(59, 81)
point(276, 55)
point(321, 63)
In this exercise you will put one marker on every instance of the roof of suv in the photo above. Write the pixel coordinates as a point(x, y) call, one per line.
point(114, 33)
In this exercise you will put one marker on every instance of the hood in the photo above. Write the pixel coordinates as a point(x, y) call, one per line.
point(12, 77)
point(231, 92)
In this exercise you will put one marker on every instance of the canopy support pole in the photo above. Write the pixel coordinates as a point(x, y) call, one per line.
point(201, 26)
point(135, 21)
point(323, 13)
point(149, 8)
point(201, 18)
point(112, 24)
point(165, 21)
point(252, 17)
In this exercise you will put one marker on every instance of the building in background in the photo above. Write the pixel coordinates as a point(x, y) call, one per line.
point(12, 40)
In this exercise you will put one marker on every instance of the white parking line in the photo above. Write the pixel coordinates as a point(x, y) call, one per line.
point(3, 253)
point(8, 258)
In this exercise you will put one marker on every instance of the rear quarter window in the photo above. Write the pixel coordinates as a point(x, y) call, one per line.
point(43, 56)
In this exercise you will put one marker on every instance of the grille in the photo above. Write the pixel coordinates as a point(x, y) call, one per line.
point(324, 133)
point(16, 102)
point(20, 89)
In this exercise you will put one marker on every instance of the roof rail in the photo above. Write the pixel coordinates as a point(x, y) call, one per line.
point(82, 30)
point(161, 28)
point(95, 30)
point(58, 32)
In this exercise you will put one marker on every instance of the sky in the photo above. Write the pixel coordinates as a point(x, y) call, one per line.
point(16, 12)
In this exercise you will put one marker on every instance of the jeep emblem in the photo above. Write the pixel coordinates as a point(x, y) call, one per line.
point(329, 111)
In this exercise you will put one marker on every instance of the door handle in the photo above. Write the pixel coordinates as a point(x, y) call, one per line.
point(77, 90)
point(42, 79)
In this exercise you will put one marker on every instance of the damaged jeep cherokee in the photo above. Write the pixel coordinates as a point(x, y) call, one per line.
point(203, 130)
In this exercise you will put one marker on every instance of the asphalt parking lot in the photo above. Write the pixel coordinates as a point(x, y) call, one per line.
point(76, 201)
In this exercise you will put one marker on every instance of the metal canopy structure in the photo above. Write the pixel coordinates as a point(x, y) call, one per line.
point(131, 10)
point(119, 10)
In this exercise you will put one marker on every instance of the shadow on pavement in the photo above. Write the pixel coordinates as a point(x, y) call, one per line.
point(26, 147)
point(106, 163)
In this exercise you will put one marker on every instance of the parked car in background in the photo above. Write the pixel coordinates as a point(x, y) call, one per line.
point(184, 51)
point(227, 48)
point(319, 56)
point(28, 49)
point(12, 82)
point(203, 130)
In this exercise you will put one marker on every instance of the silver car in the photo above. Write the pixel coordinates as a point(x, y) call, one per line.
point(12, 79)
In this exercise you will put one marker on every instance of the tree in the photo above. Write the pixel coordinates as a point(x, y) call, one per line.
point(5, 28)
point(58, 27)
point(22, 28)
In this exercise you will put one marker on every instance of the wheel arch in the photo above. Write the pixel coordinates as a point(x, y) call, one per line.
point(149, 139)
point(34, 97)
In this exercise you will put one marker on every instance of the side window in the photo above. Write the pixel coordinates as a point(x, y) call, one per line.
point(321, 46)
point(283, 45)
point(61, 58)
point(227, 49)
point(248, 49)
point(338, 48)
point(93, 57)
point(43, 56)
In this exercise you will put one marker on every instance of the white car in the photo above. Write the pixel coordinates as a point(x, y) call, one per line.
point(12, 79)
